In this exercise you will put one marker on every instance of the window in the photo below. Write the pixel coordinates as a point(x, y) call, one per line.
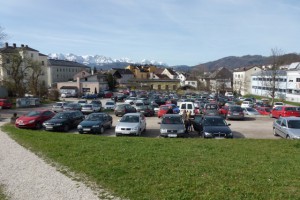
point(31, 55)
point(43, 63)
point(291, 80)
point(297, 79)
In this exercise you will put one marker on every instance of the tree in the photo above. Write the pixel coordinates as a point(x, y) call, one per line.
point(2, 35)
point(271, 76)
point(111, 82)
point(34, 84)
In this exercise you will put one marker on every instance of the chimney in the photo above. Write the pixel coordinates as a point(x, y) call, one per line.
point(6, 44)
point(14, 45)
point(26, 46)
point(22, 45)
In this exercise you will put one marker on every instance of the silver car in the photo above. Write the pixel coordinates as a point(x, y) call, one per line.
point(250, 111)
point(90, 108)
point(287, 127)
point(172, 125)
point(131, 124)
point(59, 106)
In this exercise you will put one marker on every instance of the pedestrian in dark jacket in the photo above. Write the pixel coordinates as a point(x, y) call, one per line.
point(170, 110)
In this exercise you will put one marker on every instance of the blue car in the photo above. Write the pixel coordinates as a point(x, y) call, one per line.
point(90, 96)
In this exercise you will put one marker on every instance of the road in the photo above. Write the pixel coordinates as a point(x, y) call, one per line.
point(257, 128)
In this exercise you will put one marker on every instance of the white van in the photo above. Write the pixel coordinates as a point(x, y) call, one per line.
point(188, 106)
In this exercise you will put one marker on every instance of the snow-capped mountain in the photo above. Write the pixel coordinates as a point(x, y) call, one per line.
point(99, 60)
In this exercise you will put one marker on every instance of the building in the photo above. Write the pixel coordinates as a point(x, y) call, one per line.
point(141, 71)
point(91, 84)
point(220, 81)
point(30, 58)
point(293, 82)
point(63, 70)
point(170, 73)
point(122, 76)
point(262, 83)
point(242, 79)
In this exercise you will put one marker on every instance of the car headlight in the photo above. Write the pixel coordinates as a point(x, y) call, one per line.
point(31, 121)
point(207, 134)
point(136, 128)
point(181, 131)
point(296, 137)
point(79, 127)
point(230, 133)
point(96, 126)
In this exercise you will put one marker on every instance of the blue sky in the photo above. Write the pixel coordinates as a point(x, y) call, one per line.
point(175, 32)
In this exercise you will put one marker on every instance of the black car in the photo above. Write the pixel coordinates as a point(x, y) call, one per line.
point(147, 110)
point(64, 121)
point(119, 97)
point(95, 123)
point(212, 127)
point(122, 109)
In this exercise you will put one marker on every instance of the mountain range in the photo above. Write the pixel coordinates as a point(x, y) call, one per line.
point(230, 62)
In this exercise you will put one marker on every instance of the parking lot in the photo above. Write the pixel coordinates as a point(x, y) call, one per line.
point(256, 128)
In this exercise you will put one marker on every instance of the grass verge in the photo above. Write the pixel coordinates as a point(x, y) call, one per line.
point(2, 195)
point(151, 168)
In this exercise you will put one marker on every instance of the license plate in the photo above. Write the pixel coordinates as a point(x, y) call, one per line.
point(86, 129)
point(235, 113)
point(218, 138)
point(126, 132)
point(49, 127)
point(21, 123)
point(172, 135)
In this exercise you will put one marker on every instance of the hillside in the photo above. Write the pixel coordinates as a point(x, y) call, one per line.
point(233, 62)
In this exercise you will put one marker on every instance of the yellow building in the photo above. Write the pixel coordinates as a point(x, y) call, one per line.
point(141, 71)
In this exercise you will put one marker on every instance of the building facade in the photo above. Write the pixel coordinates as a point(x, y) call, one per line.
point(242, 79)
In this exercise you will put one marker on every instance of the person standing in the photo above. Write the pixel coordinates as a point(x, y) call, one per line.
point(170, 110)
point(189, 118)
point(185, 120)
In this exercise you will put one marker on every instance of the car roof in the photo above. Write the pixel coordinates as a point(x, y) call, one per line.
point(172, 115)
point(211, 117)
point(290, 118)
point(134, 114)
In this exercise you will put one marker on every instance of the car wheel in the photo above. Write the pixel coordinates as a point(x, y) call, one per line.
point(66, 128)
point(110, 125)
point(288, 137)
point(274, 132)
point(101, 130)
point(38, 126)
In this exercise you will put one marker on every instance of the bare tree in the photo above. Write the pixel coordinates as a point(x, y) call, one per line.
point(2, 35)
point(271, 77)
point(33, 78)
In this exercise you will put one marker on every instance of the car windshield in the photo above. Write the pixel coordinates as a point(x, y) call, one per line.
point(58, 104)
point(33, 114)
point(62, 116)
point(110, 103)
point(250, 109)
point(164, 107)
point(267, 109)
point(130, 119)
point(87, 106)
point(94, 118)
point(81, 101)
point(294, 124)
point(211, 107)
point(214, 122)
point(236, 109)
point(171, 120)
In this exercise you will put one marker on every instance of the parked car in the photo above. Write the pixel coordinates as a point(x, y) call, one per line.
point(110, 105)
point(172, 125)
point(90, 108)
point(188, 106)
point(119, 97)
point(34, 119)
point(147, 110)
point(162, 110)
point(264, 110)
point(82, 102)
point(131, 124)
point(211, 109)
point(223, 111)
point(122, 109)
point(250, 111)
point(214, 127)
point(97, 104)
point(95, 123)
point(287, 127)
point(64, 121)
point(59, 106)
point(285, 111)
point(130, 100)
point(5, 103)
point(66, 95)
point(278, 104)
point(235, 112)
point(174, 107)
point(246, 104)
point(90, 96)
point(108, 94)
point(72, 106)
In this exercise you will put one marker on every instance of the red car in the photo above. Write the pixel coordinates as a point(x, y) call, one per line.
point(285, 111)
point(264, 110)
point(5, 103)
point(223, 110)
point(162, 110)
point(108, 94)
point(34, 119)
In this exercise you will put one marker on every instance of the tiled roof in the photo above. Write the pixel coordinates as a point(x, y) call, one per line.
point(162, 76)
point(171, 71)
point(123, 71)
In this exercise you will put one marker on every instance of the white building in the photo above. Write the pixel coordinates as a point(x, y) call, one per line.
point(293, 83)
point(63, 70)
point(242, 79)
point(262, 83)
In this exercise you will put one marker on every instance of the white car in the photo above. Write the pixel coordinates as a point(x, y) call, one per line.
point(278, 104)
point(247, 104)
point(110, 105)
point(131, 124)
point(130, 100)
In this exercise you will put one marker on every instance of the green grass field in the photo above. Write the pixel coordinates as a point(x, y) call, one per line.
point(157, 168)
point(2, 195)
